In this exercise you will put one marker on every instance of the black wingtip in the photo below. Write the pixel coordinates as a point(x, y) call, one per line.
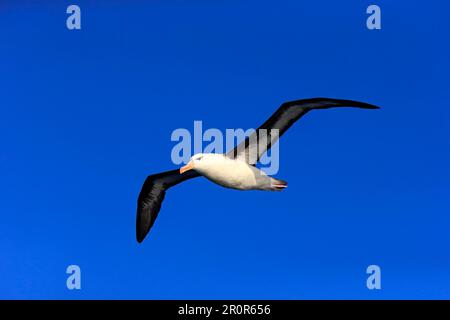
point(140, 235)
point(143, 223)
point(139, 238)
point(350, 103)
point(326, 103)
point(365, 105)
point(143, 226)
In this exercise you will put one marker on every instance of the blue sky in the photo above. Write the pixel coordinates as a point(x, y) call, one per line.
point(86, 115)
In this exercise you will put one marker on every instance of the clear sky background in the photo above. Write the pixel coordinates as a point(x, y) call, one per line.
point(86, 115)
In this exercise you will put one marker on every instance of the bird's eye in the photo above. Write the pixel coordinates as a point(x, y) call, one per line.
point(199, 158)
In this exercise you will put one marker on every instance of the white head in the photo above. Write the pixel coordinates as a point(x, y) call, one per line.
point(201, 162)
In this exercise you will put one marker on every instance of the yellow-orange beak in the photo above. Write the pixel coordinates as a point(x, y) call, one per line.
point(187, 167)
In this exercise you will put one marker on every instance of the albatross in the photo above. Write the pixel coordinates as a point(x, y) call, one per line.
point(235, 169)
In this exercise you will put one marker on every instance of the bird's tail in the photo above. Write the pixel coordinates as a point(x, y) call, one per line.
point(277, 184)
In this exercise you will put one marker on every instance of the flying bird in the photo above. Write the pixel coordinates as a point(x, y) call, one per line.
point(235, 169)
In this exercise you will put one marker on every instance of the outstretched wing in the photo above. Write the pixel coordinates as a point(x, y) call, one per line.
point(152, 195)
point(255, 145)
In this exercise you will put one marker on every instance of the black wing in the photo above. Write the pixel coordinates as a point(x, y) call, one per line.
point(152, 195)
point(254, 146)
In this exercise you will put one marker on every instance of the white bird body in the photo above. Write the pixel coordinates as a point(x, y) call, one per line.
point(232, 173)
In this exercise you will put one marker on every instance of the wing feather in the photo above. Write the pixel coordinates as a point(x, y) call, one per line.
point(152, 195)
point(255, 145)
